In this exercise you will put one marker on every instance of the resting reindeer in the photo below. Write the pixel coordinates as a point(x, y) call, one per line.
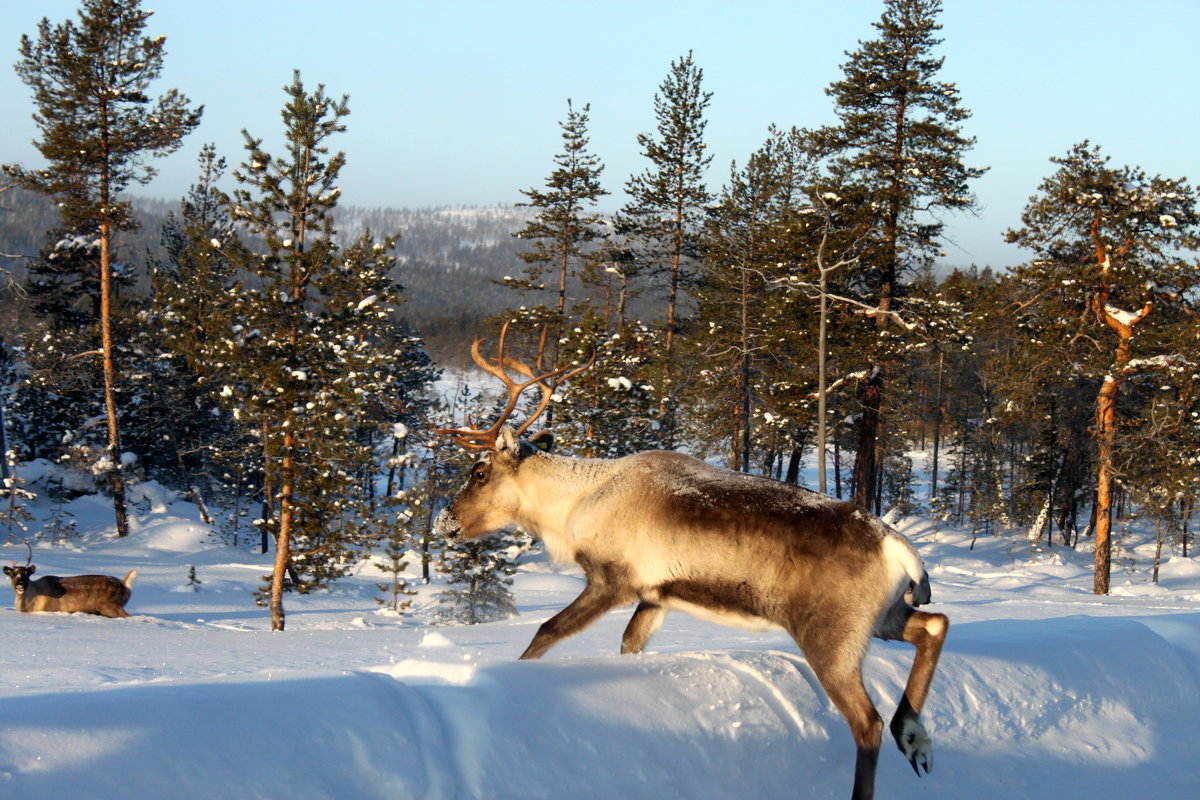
point(90, 594)
point(670, 532)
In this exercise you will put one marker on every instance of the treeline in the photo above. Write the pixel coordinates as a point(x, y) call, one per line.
point(474, 247)
point(271, 352)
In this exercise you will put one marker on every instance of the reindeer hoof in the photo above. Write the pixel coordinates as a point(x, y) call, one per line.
point(915, 744)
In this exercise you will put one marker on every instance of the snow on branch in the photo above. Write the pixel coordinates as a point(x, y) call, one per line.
point(1174, 362)
point(860, 375)
point(861, 309)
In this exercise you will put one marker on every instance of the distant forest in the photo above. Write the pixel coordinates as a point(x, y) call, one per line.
point(471, 247)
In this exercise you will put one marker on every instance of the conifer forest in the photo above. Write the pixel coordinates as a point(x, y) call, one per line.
point(284, 358)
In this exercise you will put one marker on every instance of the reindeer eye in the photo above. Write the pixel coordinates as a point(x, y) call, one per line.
point(480, 475)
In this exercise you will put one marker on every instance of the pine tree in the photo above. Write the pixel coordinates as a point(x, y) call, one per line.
point(303, 348)
point(899, 137)
point(185, 308)
point(666, 202)
point(737, 302)
point(565, 223)
point(1112, 283)
point(98, 125)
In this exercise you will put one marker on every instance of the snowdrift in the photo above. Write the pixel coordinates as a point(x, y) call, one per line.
point(1104, 708)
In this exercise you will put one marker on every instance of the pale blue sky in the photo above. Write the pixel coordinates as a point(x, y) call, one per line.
point(458, 102)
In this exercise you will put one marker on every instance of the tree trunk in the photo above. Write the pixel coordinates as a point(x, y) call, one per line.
point(937, 430)
point(792, 475)
point(868, 430)
point(116, 476)
point(744, 411)
point(837, 467)
point(268, 494)
point(1106, 414)
point(822, 389)
point(1158, 543)
point(3, 446)
point(283, 540)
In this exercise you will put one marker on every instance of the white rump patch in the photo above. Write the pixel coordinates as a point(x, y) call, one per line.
point(904, 564)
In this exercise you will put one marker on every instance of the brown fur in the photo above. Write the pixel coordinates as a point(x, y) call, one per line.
point(103, 595)
point(667, 531)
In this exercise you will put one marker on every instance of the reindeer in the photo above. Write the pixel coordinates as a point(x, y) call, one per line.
point(670, 532)
point(91, 594)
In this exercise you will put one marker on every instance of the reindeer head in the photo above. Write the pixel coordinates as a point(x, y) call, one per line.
point(19, 575)
point(490, 499)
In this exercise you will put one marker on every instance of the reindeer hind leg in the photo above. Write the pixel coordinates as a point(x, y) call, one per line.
point(927, 632)
point(836, 658)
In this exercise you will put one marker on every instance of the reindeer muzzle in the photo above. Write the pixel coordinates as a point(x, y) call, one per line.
point(447, 525)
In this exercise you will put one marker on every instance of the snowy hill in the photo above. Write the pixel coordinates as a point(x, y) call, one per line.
point(1044, 690)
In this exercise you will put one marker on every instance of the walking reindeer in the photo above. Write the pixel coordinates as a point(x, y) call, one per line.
point(670, 532)
point(90, 594)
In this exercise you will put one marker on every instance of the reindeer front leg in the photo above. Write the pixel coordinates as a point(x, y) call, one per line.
point(597, 598)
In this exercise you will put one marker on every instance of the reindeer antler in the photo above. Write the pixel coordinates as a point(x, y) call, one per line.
point(476, 439)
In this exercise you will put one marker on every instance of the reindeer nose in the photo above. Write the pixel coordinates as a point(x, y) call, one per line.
point(446, 525)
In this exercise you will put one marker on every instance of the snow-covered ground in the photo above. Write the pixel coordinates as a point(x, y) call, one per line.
point(1044, 690)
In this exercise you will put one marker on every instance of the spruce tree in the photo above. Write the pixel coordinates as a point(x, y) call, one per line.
point(1113, 282)
point(97, 126)
point(899, 137)
point(186, 309)
point(479, 573)
point(56, 396)
point(395, 533)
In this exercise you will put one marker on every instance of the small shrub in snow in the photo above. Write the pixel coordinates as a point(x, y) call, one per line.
point(479, 573)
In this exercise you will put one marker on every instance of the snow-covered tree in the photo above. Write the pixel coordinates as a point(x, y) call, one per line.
point(899, 138)
point(14, 499)
point(1113, 282)
point(565, 222)
point(396, 541)
point(479, 574)
point(662, 219)
point(302, 347)
point(97, 126)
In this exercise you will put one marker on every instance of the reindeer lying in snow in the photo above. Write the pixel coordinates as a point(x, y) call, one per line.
point(670, 532)
point(91, 594)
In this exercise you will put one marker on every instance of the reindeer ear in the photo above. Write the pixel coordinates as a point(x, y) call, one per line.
point(32, 568)
point(543, 440)
point(8, 570)
point(508, 446)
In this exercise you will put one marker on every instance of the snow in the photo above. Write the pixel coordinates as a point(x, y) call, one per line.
point(1043, 690)
point(1120, 315)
